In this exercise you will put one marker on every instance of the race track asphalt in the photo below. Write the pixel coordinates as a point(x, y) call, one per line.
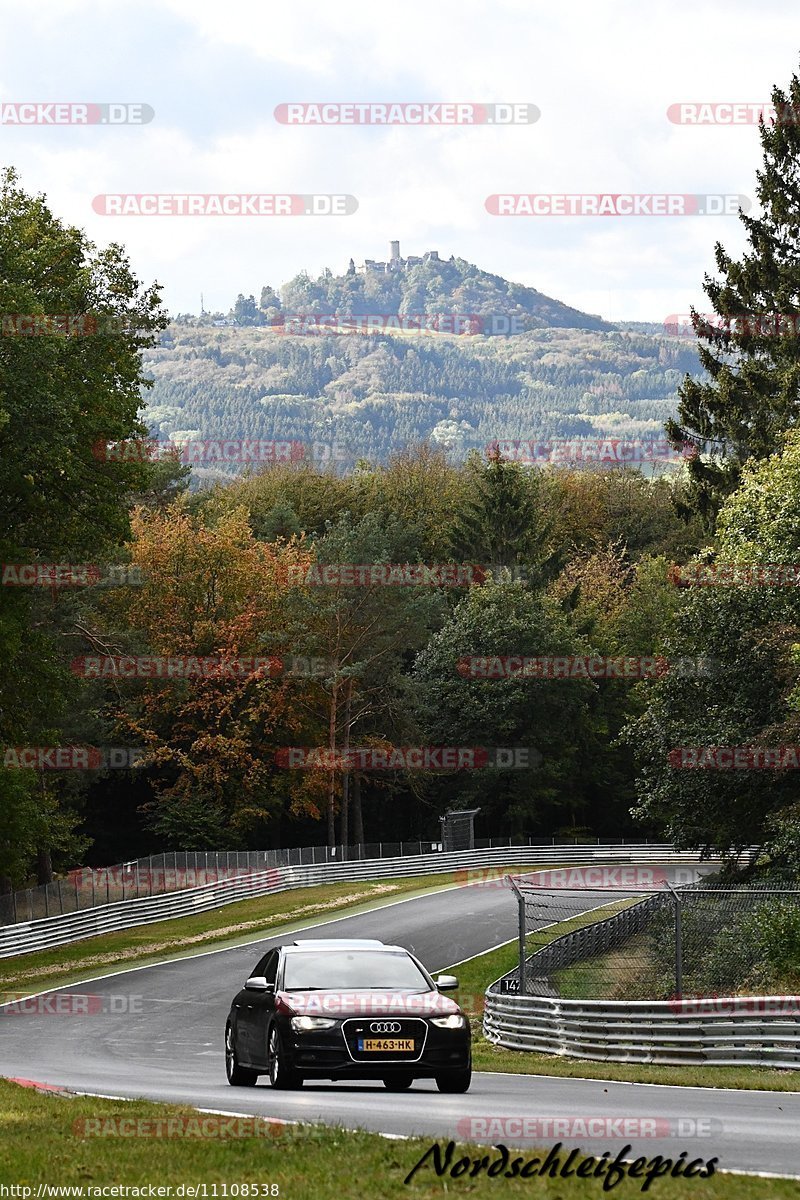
point(156, 1032)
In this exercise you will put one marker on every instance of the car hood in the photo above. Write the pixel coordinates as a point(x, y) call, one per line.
point(368, 1003)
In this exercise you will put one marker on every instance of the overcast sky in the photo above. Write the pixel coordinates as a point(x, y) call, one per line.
point(602, 75)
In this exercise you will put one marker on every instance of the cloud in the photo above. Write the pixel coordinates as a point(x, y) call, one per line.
point(602, 76)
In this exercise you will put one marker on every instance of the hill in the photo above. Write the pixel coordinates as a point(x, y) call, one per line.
point(295, 369)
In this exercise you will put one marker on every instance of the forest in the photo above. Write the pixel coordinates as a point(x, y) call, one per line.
point(295, 651)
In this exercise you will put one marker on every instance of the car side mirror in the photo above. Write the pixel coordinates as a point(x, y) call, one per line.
point(257, 983)
point(446, 983)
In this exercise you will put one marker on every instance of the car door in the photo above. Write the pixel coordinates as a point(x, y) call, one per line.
point(255, 1009)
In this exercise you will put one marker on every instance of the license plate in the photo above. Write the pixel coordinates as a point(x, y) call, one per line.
point(393, 1044)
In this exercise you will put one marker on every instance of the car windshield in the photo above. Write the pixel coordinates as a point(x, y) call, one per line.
point(347, 970)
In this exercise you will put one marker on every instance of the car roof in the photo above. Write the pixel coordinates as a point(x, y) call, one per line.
point(341, 944)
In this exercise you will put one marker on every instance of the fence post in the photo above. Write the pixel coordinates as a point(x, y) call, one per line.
point(678, 946)
point(678, 943)
point(522, 982)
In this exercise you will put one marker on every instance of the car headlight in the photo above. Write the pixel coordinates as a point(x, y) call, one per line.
point(306, 1024)
point(454, 1021)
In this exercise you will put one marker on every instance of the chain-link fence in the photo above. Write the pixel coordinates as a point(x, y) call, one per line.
point(91, 887)
point(662, 940)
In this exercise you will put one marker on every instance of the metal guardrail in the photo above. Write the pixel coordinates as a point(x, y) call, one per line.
point(673, 1032)
point(722, 1031)
point(177, 870)
point(26, 937)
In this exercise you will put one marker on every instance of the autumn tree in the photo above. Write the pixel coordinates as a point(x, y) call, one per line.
point(211, 591)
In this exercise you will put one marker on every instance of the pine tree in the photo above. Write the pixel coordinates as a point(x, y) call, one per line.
point(500, 522)
point(751, 395)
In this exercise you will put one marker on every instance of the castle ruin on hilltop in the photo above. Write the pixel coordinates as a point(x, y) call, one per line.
point(395, 263)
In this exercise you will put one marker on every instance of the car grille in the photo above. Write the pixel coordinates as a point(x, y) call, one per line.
point(360, 1030)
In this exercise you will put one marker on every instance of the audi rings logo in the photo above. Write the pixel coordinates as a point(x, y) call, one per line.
point(385, 1027)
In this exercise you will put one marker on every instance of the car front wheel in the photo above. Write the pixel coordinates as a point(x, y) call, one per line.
point(280, 1076)
point(455, 1081)
point(237, 1076)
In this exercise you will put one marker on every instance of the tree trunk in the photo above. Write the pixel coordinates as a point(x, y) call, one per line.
point(345, 825)
point(44, 866)
point(358, 821)
point(332, 773)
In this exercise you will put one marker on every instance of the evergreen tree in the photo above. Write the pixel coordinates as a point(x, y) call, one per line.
point(501, 523)
point(751, 394)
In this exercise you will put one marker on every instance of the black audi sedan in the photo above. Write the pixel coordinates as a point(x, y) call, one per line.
point(354, 1009)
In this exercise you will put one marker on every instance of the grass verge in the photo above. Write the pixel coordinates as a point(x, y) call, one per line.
point(45, 1139)
point(240, 922)
point(475, 975)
